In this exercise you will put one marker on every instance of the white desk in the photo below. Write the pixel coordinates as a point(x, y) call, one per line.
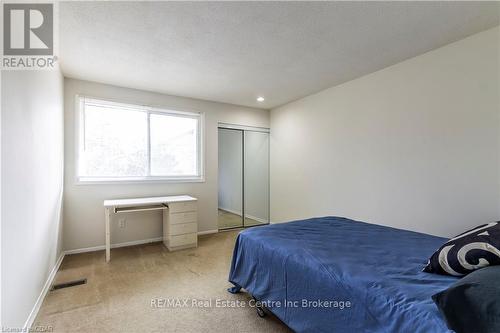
point(180, 224)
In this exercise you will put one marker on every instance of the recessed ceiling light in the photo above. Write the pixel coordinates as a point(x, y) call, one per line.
point(260, 99)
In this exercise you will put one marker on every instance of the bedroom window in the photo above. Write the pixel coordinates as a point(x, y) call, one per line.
point(125, 142)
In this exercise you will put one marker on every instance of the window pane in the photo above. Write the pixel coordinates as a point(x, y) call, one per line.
point(173, 145)
point(115, 142)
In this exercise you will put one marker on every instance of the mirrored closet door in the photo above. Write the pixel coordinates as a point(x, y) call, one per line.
point(243, 176)
point(230, 178)
point(256, 178)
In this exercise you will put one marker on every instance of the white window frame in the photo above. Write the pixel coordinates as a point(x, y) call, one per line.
point(79, 133)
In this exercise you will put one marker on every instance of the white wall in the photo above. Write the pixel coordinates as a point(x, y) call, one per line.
point(414, 145)
point(83, 211)
point(32, 183)
point(230, 169)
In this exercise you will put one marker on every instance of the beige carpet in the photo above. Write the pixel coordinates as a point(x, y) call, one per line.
point(230, 220)
point(118, 294)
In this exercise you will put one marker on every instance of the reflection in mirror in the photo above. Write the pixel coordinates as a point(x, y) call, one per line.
point(256, 178)
point(230, 178)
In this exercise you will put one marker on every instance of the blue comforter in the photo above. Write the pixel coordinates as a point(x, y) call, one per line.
point(333, 274)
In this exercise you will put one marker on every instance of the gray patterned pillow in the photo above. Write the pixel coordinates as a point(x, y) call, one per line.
point(471, 250)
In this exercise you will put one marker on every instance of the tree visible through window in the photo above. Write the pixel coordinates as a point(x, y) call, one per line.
point(128, 142)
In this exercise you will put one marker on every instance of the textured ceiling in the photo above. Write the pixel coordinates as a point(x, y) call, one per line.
point(235, 51)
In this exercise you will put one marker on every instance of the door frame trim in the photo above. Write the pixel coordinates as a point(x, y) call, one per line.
point(243, 127)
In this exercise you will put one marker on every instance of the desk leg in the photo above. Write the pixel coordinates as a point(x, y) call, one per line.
point(107, 213)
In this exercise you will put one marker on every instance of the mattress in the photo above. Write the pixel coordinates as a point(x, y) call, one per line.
point(333, 274)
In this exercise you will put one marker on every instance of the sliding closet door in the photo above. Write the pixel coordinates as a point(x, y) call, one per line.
point(256, 178)
point(230, 178)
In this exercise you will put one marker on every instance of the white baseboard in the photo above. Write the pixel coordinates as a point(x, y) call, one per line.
point(131, 243)
point(258, 219)
point(34, 312)
point(235, 212)
point(103, 247)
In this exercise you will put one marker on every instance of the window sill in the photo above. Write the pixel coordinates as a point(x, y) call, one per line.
point(119, 181)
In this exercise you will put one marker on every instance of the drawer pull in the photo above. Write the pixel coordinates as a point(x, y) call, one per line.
point(179, 229)
point(182, 207)
point(177, 218)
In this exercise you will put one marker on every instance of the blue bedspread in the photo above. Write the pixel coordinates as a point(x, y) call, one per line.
point(335, 260)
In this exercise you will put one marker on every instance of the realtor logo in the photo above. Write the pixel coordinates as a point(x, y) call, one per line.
point(28, 29)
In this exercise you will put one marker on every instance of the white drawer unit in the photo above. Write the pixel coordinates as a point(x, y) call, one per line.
point(186, 217)
point(183, 241)
point(180, 225)
point(180, 218)
point(179, 207)
point(181, 229)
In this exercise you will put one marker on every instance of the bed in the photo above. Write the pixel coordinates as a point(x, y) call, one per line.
point(307, 273)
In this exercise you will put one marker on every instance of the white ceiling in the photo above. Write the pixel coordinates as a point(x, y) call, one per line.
point(235, 51)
